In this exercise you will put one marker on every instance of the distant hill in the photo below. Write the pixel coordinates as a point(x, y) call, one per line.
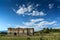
point(47, 30)
point(3, 32)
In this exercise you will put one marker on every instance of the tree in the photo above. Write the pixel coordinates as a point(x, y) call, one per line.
point(46, 30)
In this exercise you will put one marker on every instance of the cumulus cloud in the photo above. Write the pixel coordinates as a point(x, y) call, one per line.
point(51, 6)
point(37, 13)
point(42, 13)
point(30, 10)
point(23, 9)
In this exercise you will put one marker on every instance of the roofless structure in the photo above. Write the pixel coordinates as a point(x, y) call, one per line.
point(20, 31)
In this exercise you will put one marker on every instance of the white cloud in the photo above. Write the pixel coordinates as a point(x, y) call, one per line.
point(28, 23)
point(53, 22)
point(33, 21)
point(45, 23)
point(34, 13)
point(37, 24)
point(51, 6)
point(42, 13)
point(37, 13)
point(19, 26)
point(41, 23)
point(36, 20)
point(29, 10)
point(21, 10)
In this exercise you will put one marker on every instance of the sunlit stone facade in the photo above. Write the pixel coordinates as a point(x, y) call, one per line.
point(20, 31)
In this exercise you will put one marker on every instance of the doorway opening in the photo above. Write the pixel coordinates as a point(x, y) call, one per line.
point(15, 34)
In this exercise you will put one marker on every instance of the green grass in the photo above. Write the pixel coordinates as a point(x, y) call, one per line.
point(49, 36)
point(31, 38)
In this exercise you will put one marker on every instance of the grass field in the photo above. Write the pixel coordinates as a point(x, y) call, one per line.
point(50, 36)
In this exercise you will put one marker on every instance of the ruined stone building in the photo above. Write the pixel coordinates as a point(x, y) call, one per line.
point(21, 31)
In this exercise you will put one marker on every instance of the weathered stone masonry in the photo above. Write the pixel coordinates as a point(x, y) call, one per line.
point(20, 31)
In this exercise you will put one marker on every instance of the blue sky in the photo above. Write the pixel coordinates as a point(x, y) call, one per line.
point(35, 14)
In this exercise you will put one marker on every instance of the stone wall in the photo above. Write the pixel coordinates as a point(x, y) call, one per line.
point(21, 31)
